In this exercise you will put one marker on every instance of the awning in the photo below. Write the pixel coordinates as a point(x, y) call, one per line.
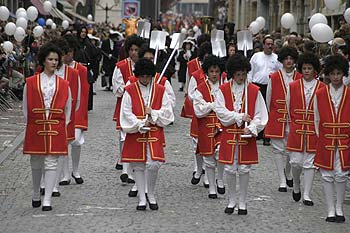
point(56, 13)
point(65, 4)
point(76, 15)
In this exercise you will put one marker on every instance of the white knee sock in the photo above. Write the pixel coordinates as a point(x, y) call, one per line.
point(146, 182)
point(231, 184)
point(134, 187)
point(308, 179)
point(199, 163)
point(288, 169)
point(50, 178)
point(151, 184)
point(329, 195)
point(125, 168)
point(296, 171)
point(220, 175)
point(130, 172)
point(65, 165)
point(243, 188)
point(210, 172)
point(140, 182)
point(76, 150)
point(340, 191)
point(280, 169)
point(60, 164)
point(42, 181)
point(36, 176)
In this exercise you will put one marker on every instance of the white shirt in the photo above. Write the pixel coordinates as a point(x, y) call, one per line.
point(227, 117)
point(262, 66)
point(129, 122)
point(118, 81)
point(48, 87)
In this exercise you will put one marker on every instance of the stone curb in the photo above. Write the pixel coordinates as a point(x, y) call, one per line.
point(10, 149)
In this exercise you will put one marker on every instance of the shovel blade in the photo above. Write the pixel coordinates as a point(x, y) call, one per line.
point(219, 48)
point(143, 29)
point(177, 40)
point(217, 35)
point(157, 40)
point(244, 40)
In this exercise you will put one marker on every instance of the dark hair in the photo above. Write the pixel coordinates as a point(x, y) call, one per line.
point(80, 29)
point(210, 61)
point(144, 67)
point(236, 63)
point(202, 39)
point(72, 41)
point(287, 51)
point(145, 49)
point(308, 58)
point(45, 50)
point(267, 37)
point(61, 44)
point(336, 62)
point(133, 40)
point(205, 48)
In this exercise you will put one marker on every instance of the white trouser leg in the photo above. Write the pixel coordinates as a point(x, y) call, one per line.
point(130, 173)
point(37, 165)
point(59, 170)
point(50, 163)
point(296, 171)
point(288, 167)
point(243, 188)
point(220, 167)
point(139, 172)
point(152, 175)
point(308, 180)
point(125, 168)
point(279, 161)
point(340, 191)
point(65, 164)
point(199, 162)
point(210, 172)
point(231, 184)
point(76, 150)
point(42, 181)
point(328, 189)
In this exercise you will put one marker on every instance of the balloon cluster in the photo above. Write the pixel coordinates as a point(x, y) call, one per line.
point(257, 25)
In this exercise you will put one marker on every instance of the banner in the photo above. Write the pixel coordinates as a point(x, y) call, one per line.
point(130, 8)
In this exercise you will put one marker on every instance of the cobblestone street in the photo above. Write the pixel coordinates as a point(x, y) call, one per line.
point(102, 204)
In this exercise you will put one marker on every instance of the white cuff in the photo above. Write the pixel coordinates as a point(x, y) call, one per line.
point(253, 130)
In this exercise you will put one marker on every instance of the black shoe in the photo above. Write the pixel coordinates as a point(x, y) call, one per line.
point(130, 181)
point(153, 206)
point(266, 142)
point(119, 166)
point(56, 194)
point(36, 204)
point(124, 177)
point(308, 203)
point(181, 89)
point(195, 180)
point(339, 219)
point(46, 208)
point(78, 180)
point(205, 185)
point(289, 182)
point(132, 193)
point(282, 189)
point(213, 196)
point(42, 191)
point(229, 210)
point(220, 190)
point(141, 207)
point(331, 219)
point(296, 196)
point(64, 182)
point(93, 93)
point(242, 212)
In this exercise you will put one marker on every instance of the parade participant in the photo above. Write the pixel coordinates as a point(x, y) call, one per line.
point(208, 123)
point(122, 71)
point(301, 142)
point(277, 127)
point(143, 126)
point(46, 107)
point(237, 152)
point(332, 117)
point(81, 114)
point(263, 64)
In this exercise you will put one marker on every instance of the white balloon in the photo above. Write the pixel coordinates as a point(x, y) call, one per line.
point(49, 22)
point(21, 9)
point(65, 24)
point(38, 31)
point(254, 27)
point(32, 13)
point(89, 17)
point(195, 28)
point(317, 18)
point(183, 31)
point(4, 13)
point(53, 26)
point(19, 34)
point(22, 22)
point(287, 20)
point(47, 6)
point(22, 14)
point(332, 4)
point(8, 46)
point(322, 33)
point(347, 15)
point(10, 28)
point(261, 21)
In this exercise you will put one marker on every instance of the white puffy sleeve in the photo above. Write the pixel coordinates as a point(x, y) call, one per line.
point(118, 83)
point(169, 90)
point(316, 116)
point(165, 115)
point(128, 120)
point(259, 121)
point(201, 107)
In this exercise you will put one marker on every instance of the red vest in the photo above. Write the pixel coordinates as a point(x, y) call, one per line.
point(81, 115)
point(209, 126)
point(301, 121)
point(125, 68)
point(187, 109)
point(134, 149)
point(276, 126)
point(71, 75)
point(247, 150)
point(334, 130)
point(46, 136)
point(200, 77)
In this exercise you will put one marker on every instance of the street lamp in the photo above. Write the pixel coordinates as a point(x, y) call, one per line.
point(106, 8)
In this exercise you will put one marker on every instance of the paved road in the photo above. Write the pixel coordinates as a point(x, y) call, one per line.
point(101, 203)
